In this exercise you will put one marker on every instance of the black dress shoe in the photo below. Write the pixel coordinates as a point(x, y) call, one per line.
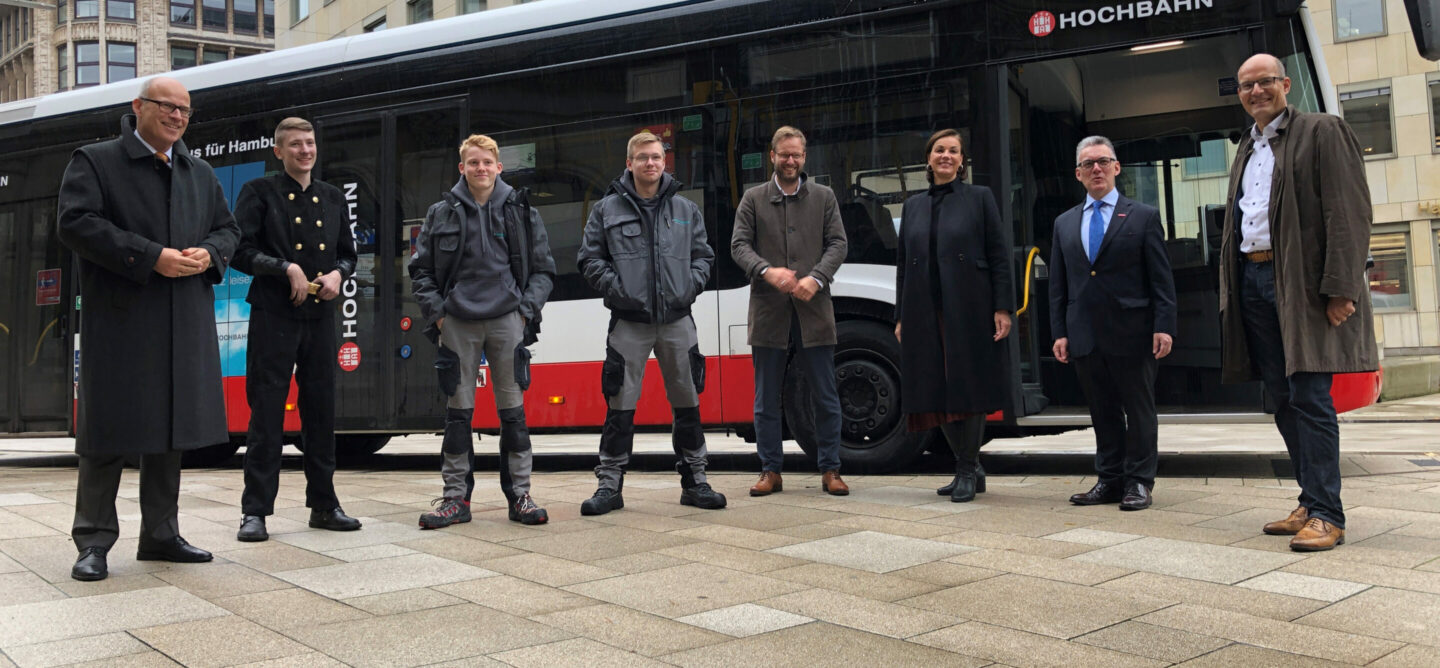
point(175, 549)
point(90, 565)
point(1137, 497)
point(252, 529)
point(1102, 492)
point(334, 519)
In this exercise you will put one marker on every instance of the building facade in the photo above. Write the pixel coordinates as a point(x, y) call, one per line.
point(82, 43)
point(309, 21)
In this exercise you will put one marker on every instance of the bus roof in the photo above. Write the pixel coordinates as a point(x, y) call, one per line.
point(476, 27)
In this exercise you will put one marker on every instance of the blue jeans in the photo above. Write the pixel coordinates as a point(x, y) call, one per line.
point(818, 365)
point(1304, 410)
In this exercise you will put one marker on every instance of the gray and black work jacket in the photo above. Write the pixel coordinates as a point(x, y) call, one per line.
point(649, 264)
point(441, 245)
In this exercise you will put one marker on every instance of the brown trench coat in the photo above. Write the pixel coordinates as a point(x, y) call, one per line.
point(804, 233)
point(1320, 231)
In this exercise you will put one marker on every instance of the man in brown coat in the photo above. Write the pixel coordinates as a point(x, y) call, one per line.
point(1294, 301)
point(789, 240)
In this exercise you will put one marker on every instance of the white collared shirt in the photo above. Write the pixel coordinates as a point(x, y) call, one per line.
point(168, 157)
point(1107, 212)
point(799, 182)
point(1255, 201)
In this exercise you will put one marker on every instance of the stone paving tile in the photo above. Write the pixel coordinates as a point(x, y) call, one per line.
point(814, 642)
point(226, 641)
point(684, 590)
point(744, 620)
point(1032, 523)
point(307, 660)
point(1322, 589)
point(111, 585)
point(426, 636)
point(23, 499)
point(1212, 563)
point(647, 521)
point(408, 600)
point(749, 539)
point(864, 614)
point(521, 598)
point(369, 552)
point(8, 565)
point(1210, 595)
point(814, 531)
point(459, 548)
point(26, 528)
point(1380, 576)
point(602, 543)
point(575, 653)
point(379, 576)
point(1410, 656)
point(1056, 609)
point(79, 617)
point(944, 574)
point(150, 659)
point(1246, 655)
point(1064, 570)
point(873, 551)
point(211, 581)
point(875, 586)
point(26, 587)
point(374, 533)
point(272, 556)
point(1093, 537)
point(638, 563)
point(1000, 541)
point(1130, 523)
point(75, 650)
point(1406, 616)
point(890, 526)
point(288, 608)
point(893, 495)
point(634, 630)
point(1273, 634)
point(766, 518)
point(547, 570)
point(1018, 648)
point(1156, 642)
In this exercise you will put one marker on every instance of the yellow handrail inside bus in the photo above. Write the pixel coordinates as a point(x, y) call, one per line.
point(1029, 264)
point(40, 340)
point(2, 326)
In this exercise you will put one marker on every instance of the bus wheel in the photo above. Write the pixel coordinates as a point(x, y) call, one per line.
point(212, 457)
point(873, 438)
point(359, 445)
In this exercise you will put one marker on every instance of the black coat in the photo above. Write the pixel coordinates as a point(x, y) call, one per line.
point(949, 361)
point(281, 223)
point(150, 357)
point(1116, 305)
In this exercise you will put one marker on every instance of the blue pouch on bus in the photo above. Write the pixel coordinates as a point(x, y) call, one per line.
point(447, 370)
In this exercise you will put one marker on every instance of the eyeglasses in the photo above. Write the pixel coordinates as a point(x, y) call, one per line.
point(653, 157)
point(1103, 162)
point(790, 156)
point(169, 108)
point(1264, 82)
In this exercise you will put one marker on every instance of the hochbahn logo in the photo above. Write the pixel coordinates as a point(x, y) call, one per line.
point(1042, 23)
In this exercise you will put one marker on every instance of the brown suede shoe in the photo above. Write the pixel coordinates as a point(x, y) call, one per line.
point(831, 482)
point(769, 482)
point(1290, 525)
point(1318, 535)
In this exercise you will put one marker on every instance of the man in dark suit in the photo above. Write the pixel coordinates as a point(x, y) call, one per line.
point(1112, 309)
point(153, 234)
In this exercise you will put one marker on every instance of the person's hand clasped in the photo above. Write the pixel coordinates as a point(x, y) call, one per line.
point(329, 286)
point(1338, 310)
point(173, 263)
point(806, 288)
point(780, 278)
point(299, 285)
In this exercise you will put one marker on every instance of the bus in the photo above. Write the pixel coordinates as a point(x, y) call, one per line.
point(562, 84)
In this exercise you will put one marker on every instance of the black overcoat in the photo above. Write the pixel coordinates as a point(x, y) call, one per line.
point(150, 357)
point(953, 366)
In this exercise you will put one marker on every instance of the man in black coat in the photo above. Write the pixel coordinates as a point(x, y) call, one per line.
point(153, 233)
point(292, 228)
point(1112, 309)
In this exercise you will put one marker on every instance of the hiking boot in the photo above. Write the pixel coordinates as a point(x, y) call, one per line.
point(450, 510)
point(702, 496)
point(526, 512)
point(604, 501)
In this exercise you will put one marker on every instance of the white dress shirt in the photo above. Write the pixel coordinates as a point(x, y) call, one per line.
point(1255, 184)
point(146, 144)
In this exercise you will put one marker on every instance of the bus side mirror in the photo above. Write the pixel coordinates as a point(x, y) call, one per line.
point(1425, 24)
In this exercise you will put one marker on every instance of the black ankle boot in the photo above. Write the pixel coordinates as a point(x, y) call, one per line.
point(964, 485)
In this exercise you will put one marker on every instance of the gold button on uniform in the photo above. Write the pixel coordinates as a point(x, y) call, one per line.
point(319, 223)
point(292, 197)
point(315, 200)
point(299, 246)
point(1092, 273)
point(297, 220)
point(322, 246)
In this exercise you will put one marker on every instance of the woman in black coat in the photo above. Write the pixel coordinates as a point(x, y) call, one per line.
point(953, 299)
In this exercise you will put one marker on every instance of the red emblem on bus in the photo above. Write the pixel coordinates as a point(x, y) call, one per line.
point(1042, 23)
point(349, 356)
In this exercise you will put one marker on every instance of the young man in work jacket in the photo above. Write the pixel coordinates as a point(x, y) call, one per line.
point(481, 273)
point(645, 250)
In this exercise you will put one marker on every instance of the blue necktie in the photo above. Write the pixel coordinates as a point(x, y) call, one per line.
point(1097, 231)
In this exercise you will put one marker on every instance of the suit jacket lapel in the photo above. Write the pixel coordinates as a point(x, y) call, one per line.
point(1117, 220)
point(1074, 225)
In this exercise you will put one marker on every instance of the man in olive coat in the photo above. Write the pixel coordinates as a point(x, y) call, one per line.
point(789, 240)
point(1294, 300)
point(153, 233)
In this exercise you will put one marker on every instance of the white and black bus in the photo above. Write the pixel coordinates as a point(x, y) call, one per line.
point(564, 83)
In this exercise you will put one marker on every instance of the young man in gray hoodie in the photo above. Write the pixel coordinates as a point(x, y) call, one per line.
point(481, 273)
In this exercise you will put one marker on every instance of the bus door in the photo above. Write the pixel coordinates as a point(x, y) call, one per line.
point(36, 392)
point(391, 165)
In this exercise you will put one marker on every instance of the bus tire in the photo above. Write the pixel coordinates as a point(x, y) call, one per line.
point(359, 445)
point(873, 437)
point(211, 457)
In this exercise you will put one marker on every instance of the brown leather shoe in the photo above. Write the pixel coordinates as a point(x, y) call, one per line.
point(1318, 535)
point(1290, 525)
point(831, 482)
point(769, 482)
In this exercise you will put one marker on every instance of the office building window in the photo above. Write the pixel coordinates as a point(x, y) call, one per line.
point(120, 10)
point(214, 56)
point(1390, 277)
point(213, 15)
point(87, 64)
point(376, 25)
point(269, 18)
point(1434, 87)
point(62, 13)
point(182, 57)
point(182, 12)
point(1210, 162)
point(1367, 110)
point(472, 6)
point(299, 9)
point(421, 11)
point(62, 68)
point(247, 20)
point(87, 9)
point(1355, 19)
point(119, 61)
